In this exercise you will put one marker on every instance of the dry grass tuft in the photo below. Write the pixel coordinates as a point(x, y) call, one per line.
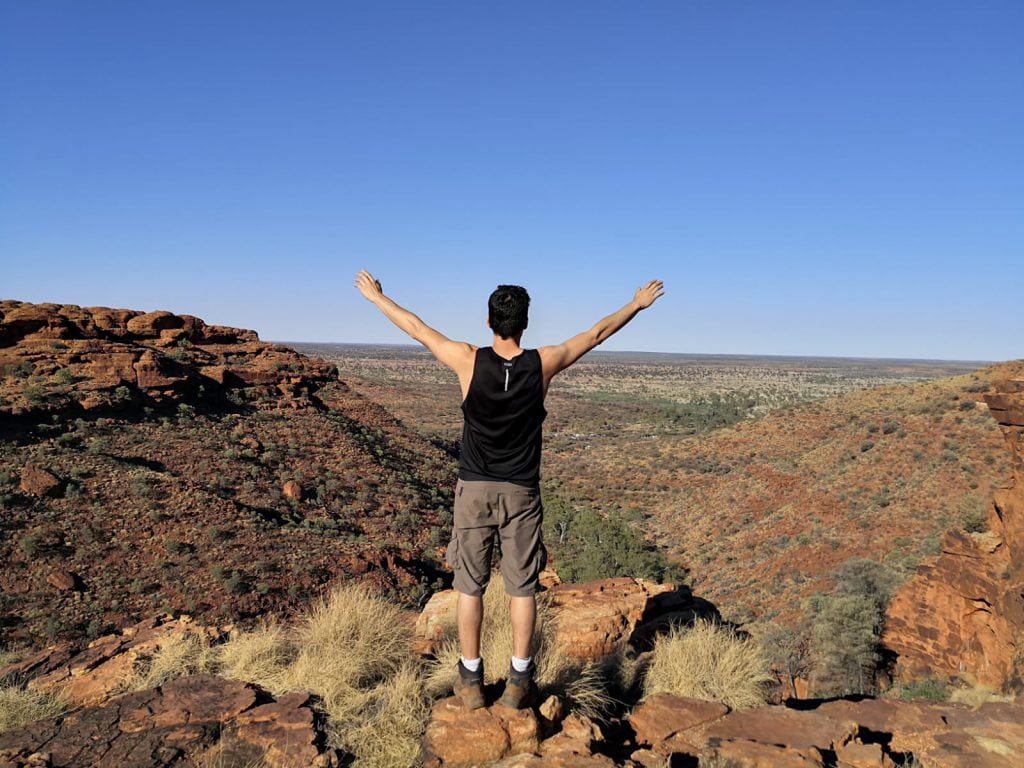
point(225, 756)
point(10, 654)
point(20, 706)
point(177, 656)
point(388, 722)
point(261, 656)
point(977, 693)
point(583, 685)
point(709, 661)
point(353, 651)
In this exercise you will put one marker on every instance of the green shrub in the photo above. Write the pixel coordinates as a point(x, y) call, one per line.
point(927, 689)
point(29, 545)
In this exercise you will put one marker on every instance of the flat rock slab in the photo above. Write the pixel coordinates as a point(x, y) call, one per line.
point(784, 727)
point(750, 754)
point(663, 715)
point(950, 735)
point(92, 675)
point(172, 724)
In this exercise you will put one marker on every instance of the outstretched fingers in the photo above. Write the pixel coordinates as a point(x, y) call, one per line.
point(648, 294)
point(367, 284)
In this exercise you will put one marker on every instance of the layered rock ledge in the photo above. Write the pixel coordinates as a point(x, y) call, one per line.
point(67, 359)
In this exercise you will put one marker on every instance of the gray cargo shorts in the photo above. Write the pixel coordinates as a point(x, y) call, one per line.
point(515, 512)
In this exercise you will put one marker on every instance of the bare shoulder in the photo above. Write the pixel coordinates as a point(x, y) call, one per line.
point(552, 359)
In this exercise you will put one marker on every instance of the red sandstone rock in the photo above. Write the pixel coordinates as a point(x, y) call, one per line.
point(63, 580)
point(786, 727)
point(552, 710)
point(150, 324)
point(436, 620)
point(282, 729)
point(558, 760)
point(94, 674)
point(948, 735)
point(174, 725)
point(663, 715)
point(292, 490)
point(457, 737)
point(596, 618)
point(104, 349)
point(251, 443)
point(153, 371)
point(751, 754)
point(36, 481)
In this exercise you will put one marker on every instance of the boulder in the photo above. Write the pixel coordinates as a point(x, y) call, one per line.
point(36, 481)
point(457, 737)
point(65, 581)
point(596, 618)
point(150, 324)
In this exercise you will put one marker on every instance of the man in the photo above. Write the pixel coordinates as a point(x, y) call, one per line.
point(503, 388)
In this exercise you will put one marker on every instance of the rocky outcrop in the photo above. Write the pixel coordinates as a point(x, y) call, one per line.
point(95, 673)
point(671, 730)
point(869, 733)
point(167, 725)
point(963, 613)
point(61, 358)
point(176, 724)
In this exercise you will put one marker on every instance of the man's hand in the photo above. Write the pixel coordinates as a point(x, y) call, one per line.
point(368, 285)
point(648, 294)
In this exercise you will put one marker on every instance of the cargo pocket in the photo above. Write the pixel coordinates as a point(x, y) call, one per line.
point(451, 553)
point(542, 557)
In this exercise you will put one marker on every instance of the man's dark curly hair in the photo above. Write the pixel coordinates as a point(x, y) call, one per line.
point(507, 309)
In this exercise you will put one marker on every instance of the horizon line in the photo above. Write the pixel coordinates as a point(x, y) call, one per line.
point(423, 349)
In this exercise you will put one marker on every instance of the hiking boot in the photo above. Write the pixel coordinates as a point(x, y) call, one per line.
point(469, 686)
point(520, 690)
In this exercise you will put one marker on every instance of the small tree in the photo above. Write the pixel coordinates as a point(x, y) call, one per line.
point(846, 626)
point(789, 652)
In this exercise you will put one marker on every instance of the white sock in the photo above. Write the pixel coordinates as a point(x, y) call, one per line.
point(473, 665)
point(521, 665)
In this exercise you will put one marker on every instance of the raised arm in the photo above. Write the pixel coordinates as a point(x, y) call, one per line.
point(560, 356)
point(457, 355)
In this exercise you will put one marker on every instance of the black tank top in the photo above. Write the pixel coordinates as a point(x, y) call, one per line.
point(503, 410)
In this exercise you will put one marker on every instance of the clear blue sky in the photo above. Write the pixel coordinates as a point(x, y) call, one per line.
point(833, 178)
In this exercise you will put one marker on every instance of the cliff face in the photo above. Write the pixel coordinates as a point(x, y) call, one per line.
point(964, 612)
point(63, 358)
